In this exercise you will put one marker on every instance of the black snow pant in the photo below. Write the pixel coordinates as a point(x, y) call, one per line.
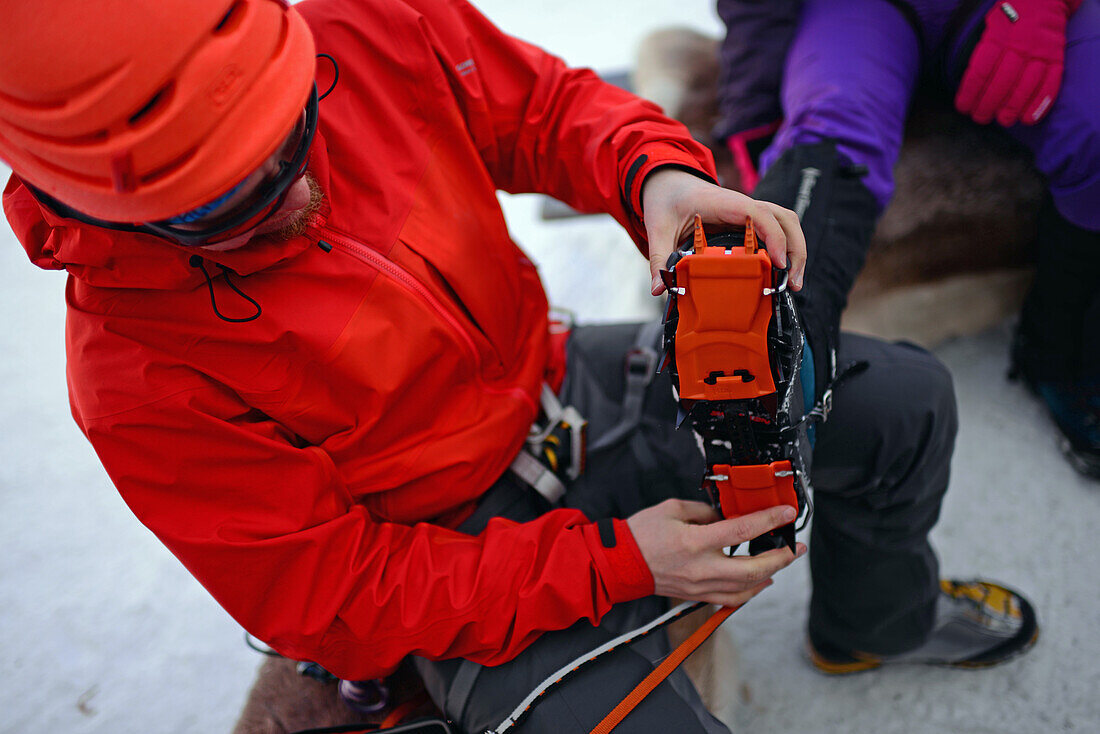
point(1059, 335)
point(880, 469)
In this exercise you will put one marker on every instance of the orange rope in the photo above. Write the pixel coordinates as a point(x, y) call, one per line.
point(663, 670)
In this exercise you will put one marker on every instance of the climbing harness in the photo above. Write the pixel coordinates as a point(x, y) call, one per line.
point(555, 450)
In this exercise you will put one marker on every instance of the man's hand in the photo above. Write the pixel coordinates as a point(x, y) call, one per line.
point(671, 198)
point(682, 544)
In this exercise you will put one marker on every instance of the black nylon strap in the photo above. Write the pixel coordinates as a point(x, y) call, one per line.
point(461, 687)
point(607, 532)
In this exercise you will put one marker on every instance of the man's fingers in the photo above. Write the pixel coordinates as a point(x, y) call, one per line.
point(682, 543)
point(769, 229)
point(736, 599)
point(722, 574)
point(737, 530)
point(658, 256)
point(796, 242)
point(779, 228)
point(698, 513)
point(663, 238)
point(667, 226)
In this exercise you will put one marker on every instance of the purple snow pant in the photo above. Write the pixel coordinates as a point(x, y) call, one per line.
point(852, 69)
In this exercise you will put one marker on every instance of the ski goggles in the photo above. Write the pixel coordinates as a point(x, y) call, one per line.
point(217, 220)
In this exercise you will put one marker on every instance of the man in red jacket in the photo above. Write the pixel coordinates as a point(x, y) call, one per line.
point(307, 352)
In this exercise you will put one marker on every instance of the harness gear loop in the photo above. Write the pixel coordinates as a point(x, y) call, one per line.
point(555, 450)
point(538, 476)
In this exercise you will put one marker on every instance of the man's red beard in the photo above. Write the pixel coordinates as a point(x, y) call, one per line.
point(296, 224)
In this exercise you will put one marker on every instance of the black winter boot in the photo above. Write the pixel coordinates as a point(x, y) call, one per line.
point(838, 217)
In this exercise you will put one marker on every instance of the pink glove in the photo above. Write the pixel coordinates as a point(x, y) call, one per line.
point(1016, 68)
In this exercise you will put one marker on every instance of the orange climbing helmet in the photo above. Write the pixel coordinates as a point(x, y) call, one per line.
point(138, 110)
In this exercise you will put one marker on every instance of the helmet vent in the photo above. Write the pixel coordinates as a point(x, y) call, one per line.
point(93, 138)
point(93, 181)
point(156, 104)
point(230, 20)
point(30, 104)
point(167, 169)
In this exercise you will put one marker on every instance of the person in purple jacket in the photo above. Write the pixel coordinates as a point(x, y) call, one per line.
point(817, 93)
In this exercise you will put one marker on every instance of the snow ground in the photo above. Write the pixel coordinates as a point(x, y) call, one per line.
point(103, 632)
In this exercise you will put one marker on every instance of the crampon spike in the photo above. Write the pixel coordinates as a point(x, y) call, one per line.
point(751, 245)
point(681, 416)
point(700, 239)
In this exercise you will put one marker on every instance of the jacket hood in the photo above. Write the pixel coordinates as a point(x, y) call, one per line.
point(113, 259)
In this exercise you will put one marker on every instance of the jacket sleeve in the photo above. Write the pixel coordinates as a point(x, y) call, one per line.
point(544, 127)
point(267, 525)
point(753, 54)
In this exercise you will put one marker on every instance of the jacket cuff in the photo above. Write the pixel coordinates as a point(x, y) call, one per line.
point(656, 155)
point(618, 559)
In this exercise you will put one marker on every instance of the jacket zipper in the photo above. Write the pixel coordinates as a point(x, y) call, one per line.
point(377, 261)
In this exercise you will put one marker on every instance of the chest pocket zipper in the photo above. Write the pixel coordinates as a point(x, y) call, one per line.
point(330, 239)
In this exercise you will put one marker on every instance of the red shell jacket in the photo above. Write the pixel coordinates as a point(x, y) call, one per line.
point(307, 466)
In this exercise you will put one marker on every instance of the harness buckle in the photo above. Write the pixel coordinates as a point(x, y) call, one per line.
point(556, 448)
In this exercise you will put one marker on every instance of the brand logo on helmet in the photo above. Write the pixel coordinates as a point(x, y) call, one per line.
point(225, 84)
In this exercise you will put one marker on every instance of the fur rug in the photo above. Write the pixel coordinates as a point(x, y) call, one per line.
point(282, 701)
